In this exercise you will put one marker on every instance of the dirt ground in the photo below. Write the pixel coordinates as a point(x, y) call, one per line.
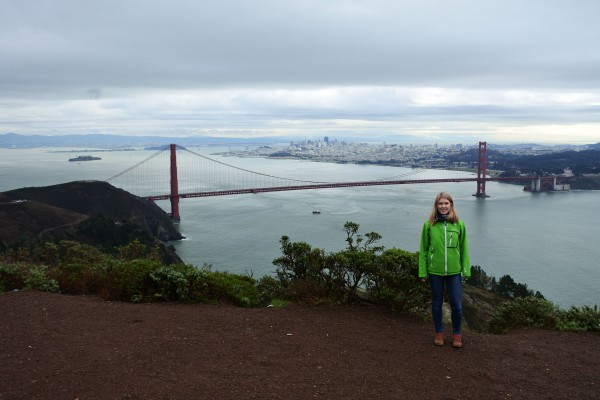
point(76, 347)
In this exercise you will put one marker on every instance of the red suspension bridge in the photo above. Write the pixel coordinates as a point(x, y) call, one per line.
point(157, 178)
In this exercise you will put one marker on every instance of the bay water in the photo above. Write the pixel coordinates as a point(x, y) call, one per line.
point(545, 240)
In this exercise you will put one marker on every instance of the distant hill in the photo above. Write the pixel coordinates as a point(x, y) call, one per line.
point(581, 162)
point(100, 141)
point(88, 211)
point(13, 140)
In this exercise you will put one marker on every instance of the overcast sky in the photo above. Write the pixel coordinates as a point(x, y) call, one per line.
point(503, 71)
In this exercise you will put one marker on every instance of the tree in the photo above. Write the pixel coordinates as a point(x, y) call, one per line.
point(359, 257)
point(355, 241)
point(313, 274)
point(301, 270)
point(479, 278)
point(506, 287)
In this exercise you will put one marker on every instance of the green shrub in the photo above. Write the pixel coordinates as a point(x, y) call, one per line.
point(150, 280)
point(313, 276)
point(269, 289)
point(23, 275)
point(15, 254)
point(580, 319)
point(394, 282)
point(168, 284)
point(299, 261)
point(132, 279)
point(207, 286)
point(100, 280)
point(301, 271)
point(132, 251)
point(303, 274)
point(70, 276)
point(36, 278)
point(525, 312)
point(73, 265)
point(67, 251)
point(308, 291)
point(10, 277)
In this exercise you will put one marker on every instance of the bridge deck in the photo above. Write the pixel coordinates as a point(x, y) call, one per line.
point(330, 185)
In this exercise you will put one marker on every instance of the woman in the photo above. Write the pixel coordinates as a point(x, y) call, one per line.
point(444, 258)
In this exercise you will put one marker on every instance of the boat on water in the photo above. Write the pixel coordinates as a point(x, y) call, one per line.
point(84, 158)
point(316, 212)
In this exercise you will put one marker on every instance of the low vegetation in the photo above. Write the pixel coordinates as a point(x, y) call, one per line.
point(362, 272)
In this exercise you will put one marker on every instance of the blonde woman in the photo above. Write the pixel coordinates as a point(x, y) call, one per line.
point(444, 259)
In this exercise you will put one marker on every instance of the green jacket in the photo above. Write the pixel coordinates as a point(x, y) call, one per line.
point(444, 249)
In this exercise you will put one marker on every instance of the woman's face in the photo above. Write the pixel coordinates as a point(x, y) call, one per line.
point(444, 206)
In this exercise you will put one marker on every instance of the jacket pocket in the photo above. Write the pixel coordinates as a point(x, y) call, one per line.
point(452, 238)
point(431, 258)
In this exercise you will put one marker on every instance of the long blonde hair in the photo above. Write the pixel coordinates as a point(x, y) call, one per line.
point(452, 216)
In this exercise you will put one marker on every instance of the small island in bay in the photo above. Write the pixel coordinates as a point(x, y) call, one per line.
point(85, 158)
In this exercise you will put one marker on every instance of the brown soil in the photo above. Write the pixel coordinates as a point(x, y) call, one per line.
point(77, 347)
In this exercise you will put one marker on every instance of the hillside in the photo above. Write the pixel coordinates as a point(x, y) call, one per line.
point(87, 211)
point(95, 197)
point(24, 219)
point(588, 182)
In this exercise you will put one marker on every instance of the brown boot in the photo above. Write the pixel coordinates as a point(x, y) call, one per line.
point(439, 339)
point(457, 341)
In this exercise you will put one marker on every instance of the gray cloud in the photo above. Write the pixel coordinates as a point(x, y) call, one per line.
point(131, 53)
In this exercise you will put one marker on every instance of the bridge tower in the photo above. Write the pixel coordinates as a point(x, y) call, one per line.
point(174, 197)
point(481, 170)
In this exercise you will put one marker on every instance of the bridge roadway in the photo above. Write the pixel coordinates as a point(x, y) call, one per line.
point(331, 185)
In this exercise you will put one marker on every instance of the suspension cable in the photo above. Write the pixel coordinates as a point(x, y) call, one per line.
point(247, 170)
point(136, 165)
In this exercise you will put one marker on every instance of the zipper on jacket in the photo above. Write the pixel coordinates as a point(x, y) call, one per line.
point(445, 251)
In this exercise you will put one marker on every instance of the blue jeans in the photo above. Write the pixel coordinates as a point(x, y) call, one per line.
point(453, 284)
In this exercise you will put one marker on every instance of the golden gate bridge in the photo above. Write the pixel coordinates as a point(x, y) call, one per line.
point(188, 174)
